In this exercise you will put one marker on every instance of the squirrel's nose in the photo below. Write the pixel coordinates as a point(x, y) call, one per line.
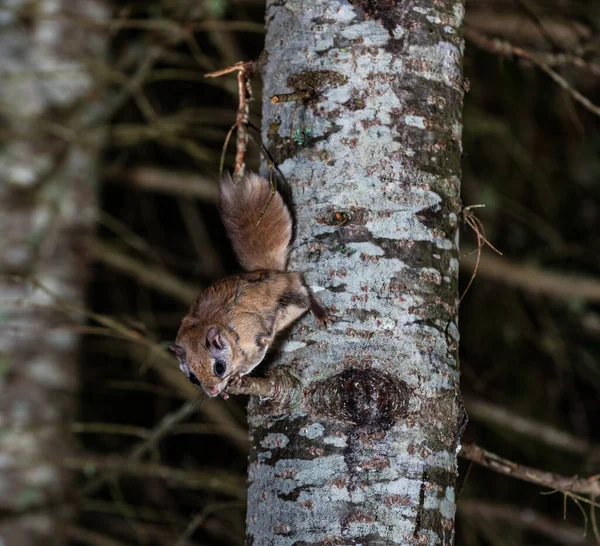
point(214, 391)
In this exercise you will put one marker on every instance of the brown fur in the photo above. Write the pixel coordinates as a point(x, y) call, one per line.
point(257, 222)
point(232, 324)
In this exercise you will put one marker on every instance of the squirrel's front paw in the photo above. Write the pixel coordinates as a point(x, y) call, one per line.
point(325, 320)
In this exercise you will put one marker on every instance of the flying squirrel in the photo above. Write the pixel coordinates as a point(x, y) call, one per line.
point(231, 325)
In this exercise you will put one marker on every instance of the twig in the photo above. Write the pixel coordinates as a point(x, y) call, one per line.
point(207, 480)
point(480, 410)
point(595, 529)
point(572, 485)
point(536, 280)
point(241, 121)
point(245, 71)
point(93, 538)
point(130, 238)
point(167, 425)
point(109, 428)
point(523, 518)
point(477, 226)
point(200, 518)
point(149, 275)
point(208, 257)
point(227, 70)
point(229, 26)
point(567, 34)
point(506, 48)
point(141, 512)
point(102, 113)
point(162, 429)
point(215, 410)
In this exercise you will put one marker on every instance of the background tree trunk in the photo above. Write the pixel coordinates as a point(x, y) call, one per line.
point(363, 451)
point(50, 69)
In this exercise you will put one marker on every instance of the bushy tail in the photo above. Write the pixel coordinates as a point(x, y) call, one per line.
point(262, 246)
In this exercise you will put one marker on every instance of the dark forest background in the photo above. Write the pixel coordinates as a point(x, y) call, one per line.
point(160, 465)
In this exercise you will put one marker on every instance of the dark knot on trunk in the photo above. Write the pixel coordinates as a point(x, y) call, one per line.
point(368, 398)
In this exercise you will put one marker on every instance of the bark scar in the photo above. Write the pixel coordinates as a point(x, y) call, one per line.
point(367, 398)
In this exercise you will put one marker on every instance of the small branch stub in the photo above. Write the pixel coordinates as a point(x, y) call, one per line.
point(308, 84)
point(279, 388)
point(291, 97)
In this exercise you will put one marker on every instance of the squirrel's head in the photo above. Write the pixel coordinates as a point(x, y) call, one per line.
point(205, 357)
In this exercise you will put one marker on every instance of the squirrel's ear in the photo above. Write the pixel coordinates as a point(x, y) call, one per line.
point(213, 339)
point(177, 349)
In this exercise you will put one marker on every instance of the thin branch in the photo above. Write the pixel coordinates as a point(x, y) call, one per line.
point(162, 429)
point(478, 228)
point(506, 48)
point(567, 34)
point(208, 257)
point(207, 480)
point(102, 113)
point(200, 518)
point(572, 485)
point(245, 71)
point(482, 411)
point(140, 432)
point(595, 529)
point(148, 275)
point(215, 410)
point(141, 512)
point(535, 280)
point(525, 519)
point(109, 428)
point(92, 538)
point(241, 122)
point(168, 182)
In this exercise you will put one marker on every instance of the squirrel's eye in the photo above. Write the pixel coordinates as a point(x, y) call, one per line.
point(194, 380)
point(219, 368)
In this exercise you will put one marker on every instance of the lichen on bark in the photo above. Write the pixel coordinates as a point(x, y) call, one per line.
point(376, 191)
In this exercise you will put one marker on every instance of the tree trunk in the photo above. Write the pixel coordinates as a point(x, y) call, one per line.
point(48, 68)
point(366, 127)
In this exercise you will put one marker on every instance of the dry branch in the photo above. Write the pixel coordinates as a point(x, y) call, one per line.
point(167, 426)
point(92, 538)
point(480, 410)
point(215, 410)
point(168, 182)
point(567, 484)
point(513, 26)
point(524, 518)
point(148, 275)
point(206, 480)
point(535, 280)
point(505, 48)
point(244, 73)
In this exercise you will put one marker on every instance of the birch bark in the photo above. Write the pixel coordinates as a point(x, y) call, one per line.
point(48, 69)
point(363, 449)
